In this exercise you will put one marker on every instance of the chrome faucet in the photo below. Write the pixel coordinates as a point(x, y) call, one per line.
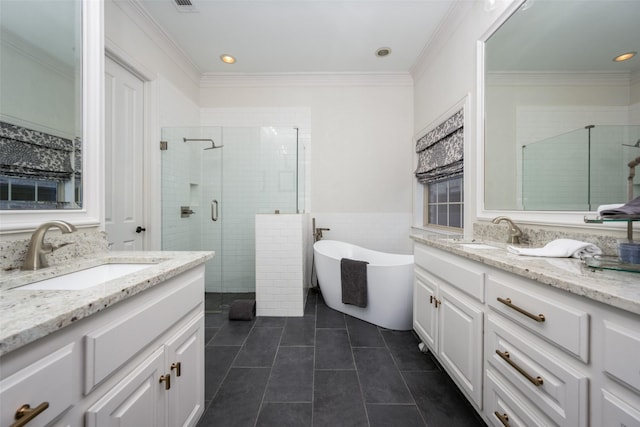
point(35, 258)
point(317, 232)
point(514, 232)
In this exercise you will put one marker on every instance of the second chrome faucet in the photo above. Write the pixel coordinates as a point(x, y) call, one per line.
point(515, 234)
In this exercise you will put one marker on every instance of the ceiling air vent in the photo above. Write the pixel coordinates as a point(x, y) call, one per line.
point(184, 6)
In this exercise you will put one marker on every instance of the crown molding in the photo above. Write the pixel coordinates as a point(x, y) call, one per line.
point(305, 79)
point(137, 12)
point(35, 53)
point(447, 26)
point(554, 78)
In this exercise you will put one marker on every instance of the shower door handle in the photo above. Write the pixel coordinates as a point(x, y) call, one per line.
point(214, 210)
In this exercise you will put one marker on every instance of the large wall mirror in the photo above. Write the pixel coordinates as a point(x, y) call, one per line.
point(52, 113)
point(561, 115)
point(41, 139)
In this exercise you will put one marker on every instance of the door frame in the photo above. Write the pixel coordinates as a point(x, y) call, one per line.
point(151, 160)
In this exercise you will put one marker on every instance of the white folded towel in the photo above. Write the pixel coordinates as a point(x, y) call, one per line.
point(559, 248)
point(611, 206)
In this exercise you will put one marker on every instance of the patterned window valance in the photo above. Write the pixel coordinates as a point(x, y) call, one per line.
point(441, 150)
point(26, 153)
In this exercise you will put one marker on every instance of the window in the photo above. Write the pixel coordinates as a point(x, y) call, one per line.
point(444, 203)
point(30, 193)
point(440, 170)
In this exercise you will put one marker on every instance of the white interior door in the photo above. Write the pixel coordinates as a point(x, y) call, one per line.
point(124, 144)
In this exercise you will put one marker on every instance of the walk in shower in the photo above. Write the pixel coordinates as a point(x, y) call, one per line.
point(214, 181)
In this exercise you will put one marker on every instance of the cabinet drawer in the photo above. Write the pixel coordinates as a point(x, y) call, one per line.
point(556, 388)
point(109, 347)
point(621, 353)
point(458, 272)
point(617, 412)
point(505, 408)
point(541, 313)
point(50, 379)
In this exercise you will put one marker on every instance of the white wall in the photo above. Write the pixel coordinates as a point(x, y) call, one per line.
point(446, 75)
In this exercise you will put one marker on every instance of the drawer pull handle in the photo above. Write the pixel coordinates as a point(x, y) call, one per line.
point(536, 381)
point(26, 413)
point(504, 418)
point(508, 303)
point(166, 379)
point(178, 367)
point(430, 299)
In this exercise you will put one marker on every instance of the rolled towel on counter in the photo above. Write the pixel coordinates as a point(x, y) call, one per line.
point(559, 248)
point(242, 309)
point(602, 208)
point(353, 275)
point(630, 208)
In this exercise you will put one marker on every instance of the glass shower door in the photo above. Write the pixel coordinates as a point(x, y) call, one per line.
point(192, 195)
point(214, 182)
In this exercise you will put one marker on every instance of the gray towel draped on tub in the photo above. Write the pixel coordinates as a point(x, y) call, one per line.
point(353, 274)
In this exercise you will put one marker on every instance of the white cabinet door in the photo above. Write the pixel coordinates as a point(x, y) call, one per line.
point(424, 309)
point(185, 359)
point(460, 329)
point(137, 401)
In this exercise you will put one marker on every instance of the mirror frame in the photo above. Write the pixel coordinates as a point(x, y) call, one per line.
point(91, 214)
point(564, 218)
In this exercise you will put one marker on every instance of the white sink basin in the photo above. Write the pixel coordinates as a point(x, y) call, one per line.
point(470, 244)
point(84, 279)
point(477, 246)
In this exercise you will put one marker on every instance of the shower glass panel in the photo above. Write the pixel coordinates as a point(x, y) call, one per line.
point(210, 196)
point(579, 170)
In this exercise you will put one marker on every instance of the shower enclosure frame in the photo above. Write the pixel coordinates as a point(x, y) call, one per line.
point(256, 170)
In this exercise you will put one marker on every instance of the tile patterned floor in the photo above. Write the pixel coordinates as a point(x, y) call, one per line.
point(323, 369)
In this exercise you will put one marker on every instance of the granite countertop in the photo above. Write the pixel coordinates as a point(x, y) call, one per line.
point(27, 315)
point(615, 288)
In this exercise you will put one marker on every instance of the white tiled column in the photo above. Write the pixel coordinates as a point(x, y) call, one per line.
point(280, 264)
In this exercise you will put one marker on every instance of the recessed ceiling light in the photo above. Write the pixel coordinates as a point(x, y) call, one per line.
point(383, 51)
point(227, 59)
point(624, 56)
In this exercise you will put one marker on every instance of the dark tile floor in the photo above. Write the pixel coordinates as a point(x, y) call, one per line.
point(323, 369)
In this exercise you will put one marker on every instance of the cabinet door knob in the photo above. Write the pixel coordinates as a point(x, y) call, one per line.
point(178, 367)
point(26, 413)
point(430, 299)
point(166, 379)
point(140, 229)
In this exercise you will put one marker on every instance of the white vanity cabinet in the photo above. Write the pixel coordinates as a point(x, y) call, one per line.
point(139, 362)
point(545, 356)
point(163, 390)
point(537, 344)
point(448, 316)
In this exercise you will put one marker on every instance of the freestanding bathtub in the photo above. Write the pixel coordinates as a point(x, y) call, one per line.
point(389, 281)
